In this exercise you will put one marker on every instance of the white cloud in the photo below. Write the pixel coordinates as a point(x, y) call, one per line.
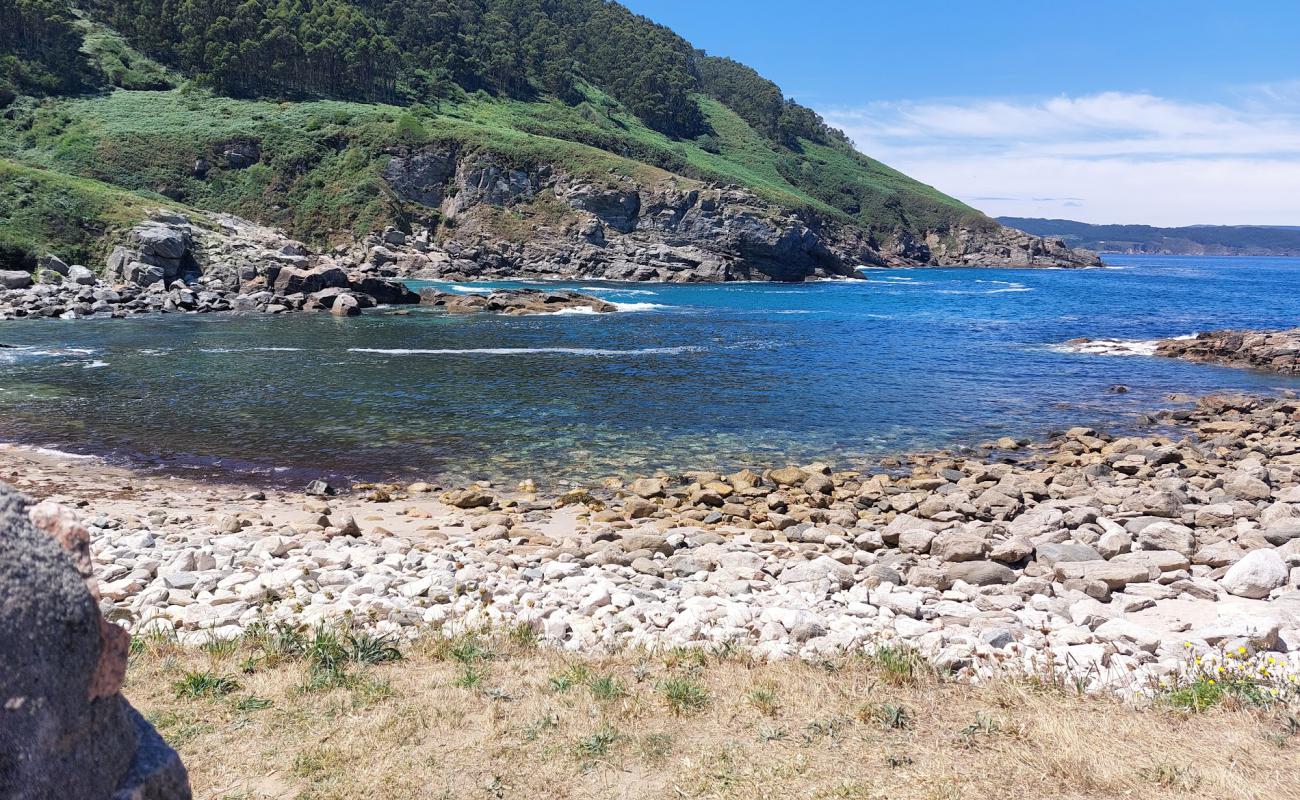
point(1110, 157)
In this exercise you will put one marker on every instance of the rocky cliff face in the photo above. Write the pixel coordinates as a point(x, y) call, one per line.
point(65, 729)
point(543, 222)
point(991, 246)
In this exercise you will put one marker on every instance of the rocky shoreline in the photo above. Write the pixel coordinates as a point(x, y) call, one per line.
point(1087, 556)
point(1273, 351)
point(171, 264)
point(1276, 351)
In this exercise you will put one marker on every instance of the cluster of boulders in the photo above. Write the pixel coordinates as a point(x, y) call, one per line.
point(1091, 555)
point(65, 729)
point(171, 264)
point(1278, 351)
point(223, 263)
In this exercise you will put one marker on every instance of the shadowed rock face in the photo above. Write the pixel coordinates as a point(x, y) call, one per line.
point(65, 729)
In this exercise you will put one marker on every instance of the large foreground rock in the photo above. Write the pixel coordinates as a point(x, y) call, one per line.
point(65, 729)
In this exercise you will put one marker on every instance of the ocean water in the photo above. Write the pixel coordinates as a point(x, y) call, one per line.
point(683, 377)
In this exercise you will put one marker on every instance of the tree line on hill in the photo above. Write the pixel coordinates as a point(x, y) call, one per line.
point(405, 51)
point(40, 50)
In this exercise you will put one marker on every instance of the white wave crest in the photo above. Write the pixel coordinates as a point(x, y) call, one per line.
point(251, 350)
point(49, 452)
point(1116, 347)
point(520, 351)
point(616, 290)
point(639, 306)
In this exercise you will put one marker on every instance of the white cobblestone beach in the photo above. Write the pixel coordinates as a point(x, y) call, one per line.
point(1104, 561)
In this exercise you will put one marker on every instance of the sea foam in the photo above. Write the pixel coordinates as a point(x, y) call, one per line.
point(520, 351)
point(1116, 347)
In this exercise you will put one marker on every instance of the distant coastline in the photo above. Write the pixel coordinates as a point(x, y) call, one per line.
point(1192, 240)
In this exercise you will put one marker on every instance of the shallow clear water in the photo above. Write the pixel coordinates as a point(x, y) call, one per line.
point(688, 376)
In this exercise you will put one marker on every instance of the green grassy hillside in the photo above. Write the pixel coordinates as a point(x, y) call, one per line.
point(43, 211)
point(138, 109)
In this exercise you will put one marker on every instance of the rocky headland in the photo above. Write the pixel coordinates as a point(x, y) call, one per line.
point(537, 223)
point(624, 229)
point(1102, 558)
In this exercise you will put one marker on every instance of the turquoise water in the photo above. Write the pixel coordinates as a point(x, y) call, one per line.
point(686, 377)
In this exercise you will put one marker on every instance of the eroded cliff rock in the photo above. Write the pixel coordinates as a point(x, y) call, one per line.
point(544, 222)
point(200, 263)
point(990, 246)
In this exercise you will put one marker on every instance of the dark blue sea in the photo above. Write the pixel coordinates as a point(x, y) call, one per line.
point(718, 376)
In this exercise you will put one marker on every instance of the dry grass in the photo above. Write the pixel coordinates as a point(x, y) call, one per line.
point(498, 718)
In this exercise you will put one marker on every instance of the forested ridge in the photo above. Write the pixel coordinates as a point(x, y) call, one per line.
point(418, 51)
point(40, 50)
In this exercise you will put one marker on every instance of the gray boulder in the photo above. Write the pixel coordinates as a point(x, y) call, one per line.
point(980, 573)
point(80, 275)
point(345, 305)
point(162, 241)
point(142, 274)
point(52, 263)
point(292, 279)
point(15, 279)
point(1051, 554)
point(1167, 536)
point(1257, 574)
point(821, 575)
point(65, 729)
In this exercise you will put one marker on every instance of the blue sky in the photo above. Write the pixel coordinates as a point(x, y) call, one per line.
point(1158, 112)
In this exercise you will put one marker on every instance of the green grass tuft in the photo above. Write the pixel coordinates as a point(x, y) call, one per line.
point(683, 695)
point(204, 684)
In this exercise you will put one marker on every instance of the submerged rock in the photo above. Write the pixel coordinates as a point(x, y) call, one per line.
point(515, 302)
